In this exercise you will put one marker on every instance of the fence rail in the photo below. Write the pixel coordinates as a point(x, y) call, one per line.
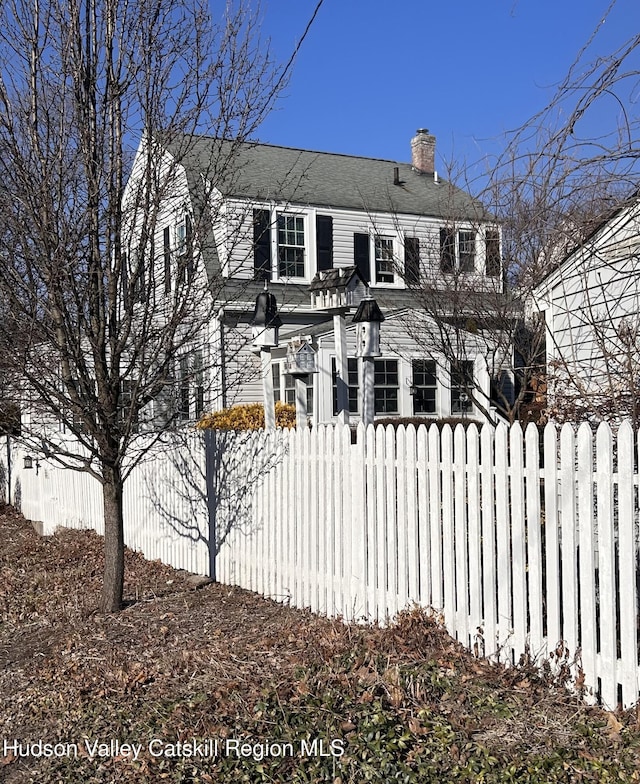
point(527, 546)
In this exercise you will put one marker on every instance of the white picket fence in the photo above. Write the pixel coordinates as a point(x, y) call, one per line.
point(525, 548)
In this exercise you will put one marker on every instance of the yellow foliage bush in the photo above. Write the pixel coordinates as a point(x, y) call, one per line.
point(247, 416)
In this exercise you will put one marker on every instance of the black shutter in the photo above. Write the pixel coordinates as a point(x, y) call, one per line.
point(262, 244)
point(324, 242)
point(411, 261)
point(361, 256)
point(493, 260)
point(447, 250)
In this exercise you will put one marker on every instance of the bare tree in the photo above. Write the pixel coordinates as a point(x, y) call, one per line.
point(564, 175)
point(102, 319)
point(558, 177)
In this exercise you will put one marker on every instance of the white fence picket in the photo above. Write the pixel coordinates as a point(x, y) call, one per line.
point(489, 579)
point(627, 543)
point(518, 539)
point(586, 551)
point(606, 564)
point(535, 554)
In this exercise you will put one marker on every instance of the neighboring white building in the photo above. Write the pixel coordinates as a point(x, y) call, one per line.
point(280, 216)
point(591, 306)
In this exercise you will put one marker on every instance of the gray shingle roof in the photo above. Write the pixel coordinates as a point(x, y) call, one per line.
point(265, 172)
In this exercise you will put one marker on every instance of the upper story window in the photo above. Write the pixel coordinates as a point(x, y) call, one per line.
point(181, 237)
point(181, 256)
point(383, 248)
point(457, 250)
point(291, 246)
point(467, 250)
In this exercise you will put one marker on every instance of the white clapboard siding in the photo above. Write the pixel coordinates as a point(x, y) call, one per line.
point(522, 553)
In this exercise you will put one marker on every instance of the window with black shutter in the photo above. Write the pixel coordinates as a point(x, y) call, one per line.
point(324, 242)
point(262, 244)
point(411, 261)
point(361, 256)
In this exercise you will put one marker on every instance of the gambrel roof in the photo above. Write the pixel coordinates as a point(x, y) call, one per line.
point(268, 173)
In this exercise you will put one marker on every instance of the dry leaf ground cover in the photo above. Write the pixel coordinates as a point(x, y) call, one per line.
point(217, 685)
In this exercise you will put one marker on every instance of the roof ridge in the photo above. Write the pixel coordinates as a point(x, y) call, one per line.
point(258, 143)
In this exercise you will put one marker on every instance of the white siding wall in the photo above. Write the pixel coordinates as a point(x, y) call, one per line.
point(346, 223)
point(587, 303)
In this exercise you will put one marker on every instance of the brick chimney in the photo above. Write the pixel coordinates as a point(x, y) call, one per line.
point(423, 151)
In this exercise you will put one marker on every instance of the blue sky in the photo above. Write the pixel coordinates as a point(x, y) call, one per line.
point(372, 71)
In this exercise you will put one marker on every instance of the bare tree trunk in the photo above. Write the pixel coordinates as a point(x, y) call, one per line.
point(113, 583)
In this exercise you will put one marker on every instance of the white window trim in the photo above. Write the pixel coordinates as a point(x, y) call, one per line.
point(438, 387)
point(398, 282)
point(275, 257)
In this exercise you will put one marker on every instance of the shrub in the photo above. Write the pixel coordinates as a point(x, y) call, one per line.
point(247, 416)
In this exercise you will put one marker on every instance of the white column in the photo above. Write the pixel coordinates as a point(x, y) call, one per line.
point(267, 390)
point(367, 369)
point(301, 402)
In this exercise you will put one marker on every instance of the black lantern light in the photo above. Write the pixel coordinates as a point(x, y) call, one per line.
point(266, 322)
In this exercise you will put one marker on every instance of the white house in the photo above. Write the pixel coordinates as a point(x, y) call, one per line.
point(285, 217)
point(591, 306)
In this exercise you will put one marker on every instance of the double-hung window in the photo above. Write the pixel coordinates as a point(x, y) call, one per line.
point(461, 387)
point(383, 250)
point(291, 248)
point(467, 250)
point(424, 386)
point(190, 386)
point(352, 384)
point(184, 250)
point(290, 392)
point(386, 386)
